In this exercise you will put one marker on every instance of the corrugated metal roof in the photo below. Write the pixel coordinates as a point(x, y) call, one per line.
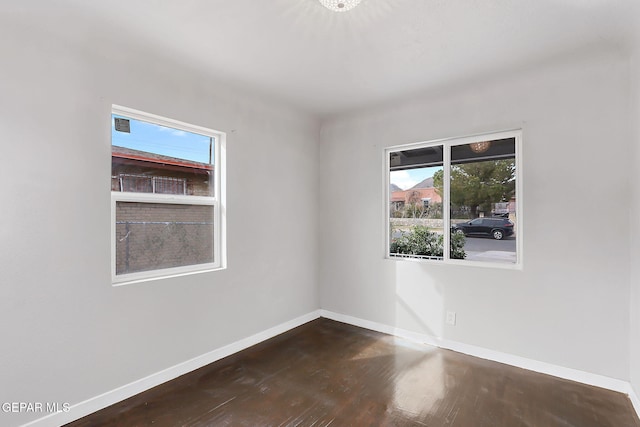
point(144, 156)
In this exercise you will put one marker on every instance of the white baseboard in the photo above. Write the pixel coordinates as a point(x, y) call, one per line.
point(94, 404)
point(508, 359)
point(635, 401)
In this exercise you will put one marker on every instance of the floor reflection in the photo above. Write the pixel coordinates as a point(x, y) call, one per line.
point(327, 373)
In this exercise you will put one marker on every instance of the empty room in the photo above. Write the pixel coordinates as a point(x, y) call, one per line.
point(320, 212)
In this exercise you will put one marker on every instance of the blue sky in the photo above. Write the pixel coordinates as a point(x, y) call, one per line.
point(407, 178)
point(158, 139)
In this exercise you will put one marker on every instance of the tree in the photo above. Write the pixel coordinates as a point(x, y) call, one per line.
point(414, 197)
point(478, 185)
point(415, 208)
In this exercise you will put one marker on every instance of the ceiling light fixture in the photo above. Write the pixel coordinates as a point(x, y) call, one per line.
point(339, 5)
point(480, 147)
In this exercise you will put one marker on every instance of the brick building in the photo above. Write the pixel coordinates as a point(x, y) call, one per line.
point(423, 193)
point(144, 172)
point(152, 235)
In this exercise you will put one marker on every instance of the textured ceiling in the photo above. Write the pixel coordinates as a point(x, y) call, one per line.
point(382, 50)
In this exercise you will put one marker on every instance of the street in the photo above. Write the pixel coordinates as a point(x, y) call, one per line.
point(483, 244)
point(491, 250)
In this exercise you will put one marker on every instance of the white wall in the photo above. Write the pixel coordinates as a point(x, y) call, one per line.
point(67, 334)
point(635, 227)
point(569, 305)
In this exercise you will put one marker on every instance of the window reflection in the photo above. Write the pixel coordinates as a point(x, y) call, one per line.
point(453, 200)
point(483, 199)
point(415, 205)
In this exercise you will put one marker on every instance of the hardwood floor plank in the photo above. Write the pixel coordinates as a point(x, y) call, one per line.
point(327, 373)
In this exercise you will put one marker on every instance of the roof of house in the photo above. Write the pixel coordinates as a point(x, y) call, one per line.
point(144, 156)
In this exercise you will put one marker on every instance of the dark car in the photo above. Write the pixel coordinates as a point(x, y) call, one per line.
point(494, 227)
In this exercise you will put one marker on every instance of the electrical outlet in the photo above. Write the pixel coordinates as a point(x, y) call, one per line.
point(451, 318)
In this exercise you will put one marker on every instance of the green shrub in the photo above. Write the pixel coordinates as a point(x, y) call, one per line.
point(421, 241)
point(457, 246)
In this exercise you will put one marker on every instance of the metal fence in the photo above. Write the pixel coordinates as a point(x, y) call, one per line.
point(149, 184)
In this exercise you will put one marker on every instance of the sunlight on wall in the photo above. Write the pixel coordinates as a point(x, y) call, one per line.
point(419, 299)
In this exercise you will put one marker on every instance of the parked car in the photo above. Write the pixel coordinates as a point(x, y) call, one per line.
point(498, 228)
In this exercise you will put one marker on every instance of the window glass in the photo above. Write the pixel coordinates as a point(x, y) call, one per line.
point(151, 158)
point(165, 197)
point(416, 218)
point(455, 200)
point(153, 236)
point(482, 198)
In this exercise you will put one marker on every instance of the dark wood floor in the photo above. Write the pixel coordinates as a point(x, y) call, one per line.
point(328, 373)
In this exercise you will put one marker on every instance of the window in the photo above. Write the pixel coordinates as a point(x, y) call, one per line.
point(167, 196)
point(461, 200)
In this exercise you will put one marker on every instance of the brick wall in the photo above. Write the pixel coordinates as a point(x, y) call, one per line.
point(152, 236)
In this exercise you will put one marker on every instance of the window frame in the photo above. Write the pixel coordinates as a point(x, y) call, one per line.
point(447, 143)
point(218, 201)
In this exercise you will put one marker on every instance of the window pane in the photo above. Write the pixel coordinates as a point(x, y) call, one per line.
point(483, 201)
point(150, 158)
point(152, 236)
point(415, 203)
